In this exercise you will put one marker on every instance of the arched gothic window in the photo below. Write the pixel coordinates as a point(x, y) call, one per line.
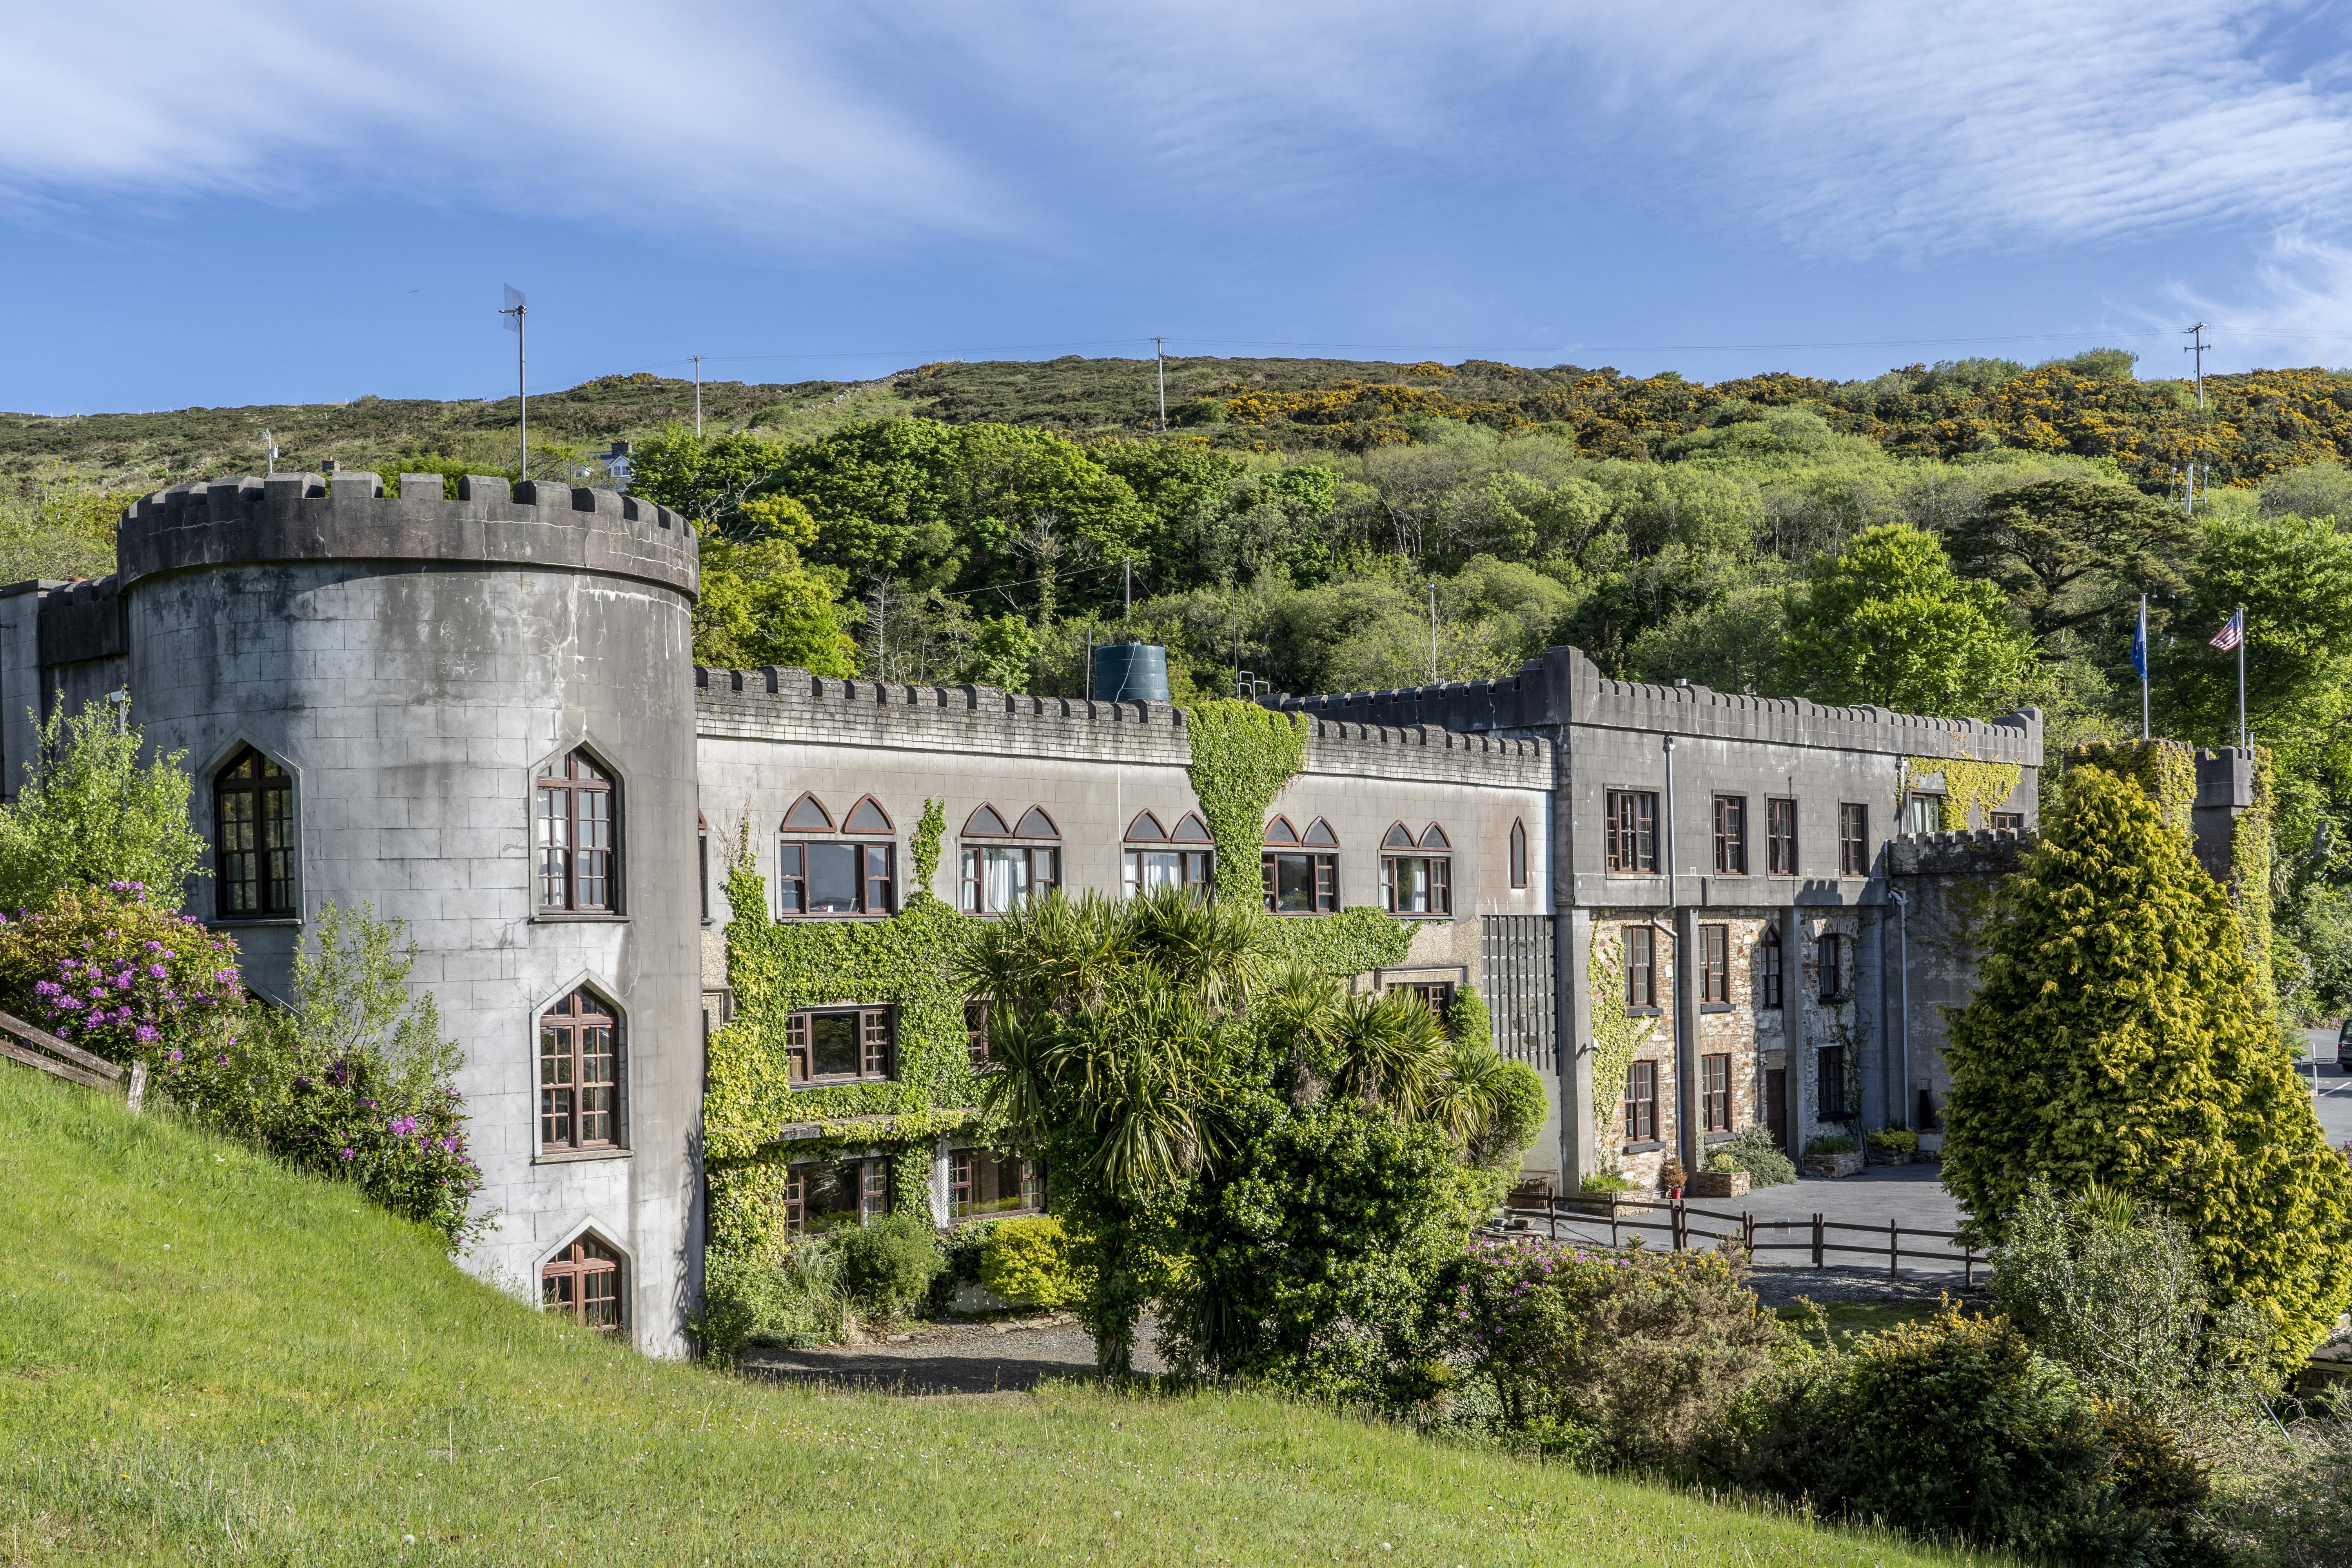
point(576, 824)
point(253, 838)
point(1414, 879)
point(859, 876)
point(1300, 870)
point(1518, 854)
point(582, 1282)
point(578, 1074)
point(1157, 857)
point(998, 876)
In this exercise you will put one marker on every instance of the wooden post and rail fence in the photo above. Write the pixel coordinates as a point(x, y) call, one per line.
point(21, 1043)
point(1674, 1216)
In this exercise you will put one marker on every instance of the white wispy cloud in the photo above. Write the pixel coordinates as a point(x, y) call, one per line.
point(1917, 127)
point(2292, 307)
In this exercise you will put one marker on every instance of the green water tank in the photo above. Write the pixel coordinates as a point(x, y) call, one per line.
point(1130, 672)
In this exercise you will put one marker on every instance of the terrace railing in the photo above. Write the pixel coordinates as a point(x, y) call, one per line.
point(1686, 1224)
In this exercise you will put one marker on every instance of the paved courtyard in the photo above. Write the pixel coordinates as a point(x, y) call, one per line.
point(2331, 1088)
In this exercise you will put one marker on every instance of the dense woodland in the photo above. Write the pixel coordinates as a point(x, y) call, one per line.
point(1957, 539)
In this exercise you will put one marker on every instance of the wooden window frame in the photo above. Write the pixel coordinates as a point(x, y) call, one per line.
point(1714, 966)
point(1642, 968)
point(1731, 834)
point(255, 861)
point(1780, 836)
point(975, 1034)
point(702, 861)
point(2005, 821)
point(565, 1065)
point(559, 793)
point(1195, 869)
point(591, 1273)
point(1437, 996)
point(1853, 839)
point(1828, 1068)
point(877, 1041)
point(1914, 801)
point(1519, 852)
point(1642, 1102)
point(1714, 1092)
point(1633, 833)
point(1323, 867)
point(1041, 873)
point(962, 1208)
point(1771, 961)
point(877, 877)
point(1439, 876)
point(1830, 964)
point(873, 1190)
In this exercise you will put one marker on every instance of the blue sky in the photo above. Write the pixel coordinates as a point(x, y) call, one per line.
point(240, 202)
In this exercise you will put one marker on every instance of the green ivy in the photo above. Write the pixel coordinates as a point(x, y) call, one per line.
point(1971, 788)
point(1241, 756)
point(1468, 1021)
point(1617, 1035)
point(1348, 942)
point(777, 967)
point(923, 846)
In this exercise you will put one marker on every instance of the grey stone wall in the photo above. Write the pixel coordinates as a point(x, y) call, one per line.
point(412, 693)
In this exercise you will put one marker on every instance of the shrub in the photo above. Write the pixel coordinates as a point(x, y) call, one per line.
point(1672, 1175)
point(1721, 1164)
point(1628, 1358)
point(116, 974)
point(2122, 1035)
point(793, 1298)
point(1830, 1143)
point(2290, 1506)
point(1750, 1150)
point(1606, 1181)
point(1893, 1141)
point(88, 815)
point(1027, 1261)
point(356, 1082)
point(888, 1266)
point(1520, 1109)
point(2111, 1290)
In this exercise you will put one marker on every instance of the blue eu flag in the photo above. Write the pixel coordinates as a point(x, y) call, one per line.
point(2139, 642)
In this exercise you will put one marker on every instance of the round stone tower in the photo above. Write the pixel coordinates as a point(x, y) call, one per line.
point(479, 709)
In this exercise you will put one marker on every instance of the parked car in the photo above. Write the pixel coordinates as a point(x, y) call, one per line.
point(2344, 1046)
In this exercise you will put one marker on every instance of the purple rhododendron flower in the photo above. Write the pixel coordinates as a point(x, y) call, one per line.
point(349, 1153)
point(156, 972)
point(175, 1053)
point(147, 1035)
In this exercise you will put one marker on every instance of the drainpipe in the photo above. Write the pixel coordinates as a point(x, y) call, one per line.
point(1686, 1003)
point(1903, 1011)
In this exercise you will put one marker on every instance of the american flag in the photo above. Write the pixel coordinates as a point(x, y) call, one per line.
point(2232, 632)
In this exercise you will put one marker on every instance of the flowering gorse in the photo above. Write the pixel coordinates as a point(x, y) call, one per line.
point(116, 974)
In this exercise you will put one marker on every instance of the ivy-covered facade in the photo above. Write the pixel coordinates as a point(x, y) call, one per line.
point(855, 832)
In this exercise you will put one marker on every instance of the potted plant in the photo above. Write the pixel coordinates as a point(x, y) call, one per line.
point(1671, 1176)
point(1832, 1154)
point(1723, 1178)
point(1893, 1145)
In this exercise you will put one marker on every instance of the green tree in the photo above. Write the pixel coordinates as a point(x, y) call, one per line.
point(88, 813)
point(1887, 621)
point(2071, 551)
point(1002, 651)
point(760, 605)
point(2293, 575)
point(2119, 1036)
point(707, 477)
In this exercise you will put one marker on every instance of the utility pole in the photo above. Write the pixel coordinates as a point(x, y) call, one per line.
point(515, 308)
point(1127, 612)
point(1160, 359)
point(270, 443)
point(2197, 347)
point(697, 397)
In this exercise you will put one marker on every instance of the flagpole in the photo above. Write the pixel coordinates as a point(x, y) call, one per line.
point(2143, 667)
point(2242, 678)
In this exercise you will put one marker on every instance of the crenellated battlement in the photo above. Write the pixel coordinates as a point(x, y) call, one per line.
point(311, 517)
point(1564, 687)
point(1426, 750)
point(782, 702)
point(1977, 851)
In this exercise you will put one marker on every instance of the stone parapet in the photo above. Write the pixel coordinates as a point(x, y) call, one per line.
point(785, 703)
point(306, 516)
point(1564, 687)
point(1425, 752)
point(1982, 851)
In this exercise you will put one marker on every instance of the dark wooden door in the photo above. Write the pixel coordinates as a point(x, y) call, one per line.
point(1776, 1106)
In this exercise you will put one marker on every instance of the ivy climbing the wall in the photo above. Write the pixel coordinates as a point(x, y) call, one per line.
point(1618, 1035)
point(1241, 756)
point(1973, 791)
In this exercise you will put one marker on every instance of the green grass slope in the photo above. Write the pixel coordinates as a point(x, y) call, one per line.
point(204, 1356)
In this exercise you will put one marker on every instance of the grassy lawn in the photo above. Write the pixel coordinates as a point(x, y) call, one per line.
point(203, 1356)
point(1848, 1319)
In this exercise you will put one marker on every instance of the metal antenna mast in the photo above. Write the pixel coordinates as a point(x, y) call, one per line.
point(270, 443)
point(1433, 631)
point(515, 308)
point(697, 397)
point(2198, 347)
point(1158, 358)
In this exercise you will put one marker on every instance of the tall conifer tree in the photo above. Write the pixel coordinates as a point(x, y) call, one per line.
point(2120, 1035)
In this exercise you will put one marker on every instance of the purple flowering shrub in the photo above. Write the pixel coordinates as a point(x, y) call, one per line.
point(394, 1128)
point(1636, 1358)
point(115, 975)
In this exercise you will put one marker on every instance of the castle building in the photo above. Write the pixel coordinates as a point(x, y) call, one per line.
point(480, 713)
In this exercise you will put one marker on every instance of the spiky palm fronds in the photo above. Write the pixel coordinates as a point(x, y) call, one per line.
point(1391, 1052)
point(1217, 950)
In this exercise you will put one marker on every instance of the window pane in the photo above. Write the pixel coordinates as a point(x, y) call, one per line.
point(278, 843)
point(600, 1298)
point(1150, 868)
point(880, 879)
point(555, 1103)
point(554, 844)
point(830, 1196)
point(832, 878)
point(595, 848)
point(1004, 879)
point(600, 1061)
point(835, 1047)
point(1294, 882)
point(238, 869)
